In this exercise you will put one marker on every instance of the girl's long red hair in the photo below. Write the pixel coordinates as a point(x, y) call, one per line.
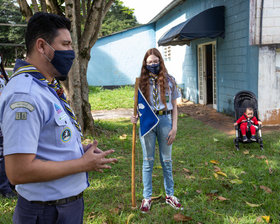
point(162, 80)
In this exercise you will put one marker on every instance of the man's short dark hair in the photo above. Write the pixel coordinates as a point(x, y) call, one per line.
point(44, 25)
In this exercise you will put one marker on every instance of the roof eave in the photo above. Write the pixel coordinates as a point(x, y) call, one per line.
point(170, 6)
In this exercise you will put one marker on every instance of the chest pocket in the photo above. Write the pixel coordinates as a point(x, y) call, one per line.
point(63, 129)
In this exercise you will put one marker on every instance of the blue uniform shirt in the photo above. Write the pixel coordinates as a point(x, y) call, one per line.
point(34, 121)
point(171, 94)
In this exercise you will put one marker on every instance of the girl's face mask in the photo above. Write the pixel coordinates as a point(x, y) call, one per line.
point(153, 68)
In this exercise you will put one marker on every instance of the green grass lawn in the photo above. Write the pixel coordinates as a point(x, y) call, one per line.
point(207, 170)
point(105, 99)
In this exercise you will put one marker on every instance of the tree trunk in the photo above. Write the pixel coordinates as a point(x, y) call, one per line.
point(77, 91)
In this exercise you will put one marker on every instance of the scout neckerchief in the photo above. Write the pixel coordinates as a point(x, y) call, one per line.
point(155, 91)
point(55, 88)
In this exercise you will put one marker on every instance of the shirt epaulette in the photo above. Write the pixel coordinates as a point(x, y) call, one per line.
point(21, 83)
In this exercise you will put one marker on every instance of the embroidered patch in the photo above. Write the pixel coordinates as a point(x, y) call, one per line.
point(22, 104)
point(57, 108)
point(21, 115)
point(66, 134)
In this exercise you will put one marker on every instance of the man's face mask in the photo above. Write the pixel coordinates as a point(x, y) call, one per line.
point(62, 61)
point(153, 68)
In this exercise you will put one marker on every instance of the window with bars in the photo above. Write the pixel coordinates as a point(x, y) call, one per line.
point(167, 53)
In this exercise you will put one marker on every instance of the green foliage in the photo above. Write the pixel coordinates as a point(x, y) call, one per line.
point(10, 13)
point(106, 99)
point(117, 19)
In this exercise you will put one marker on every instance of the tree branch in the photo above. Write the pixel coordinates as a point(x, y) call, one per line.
point(55, 9)
point(25, 9)
point(35, 5)
point(43, 5)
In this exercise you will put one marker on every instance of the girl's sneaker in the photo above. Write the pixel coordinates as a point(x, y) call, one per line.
point(174, 202)
point(146, 205)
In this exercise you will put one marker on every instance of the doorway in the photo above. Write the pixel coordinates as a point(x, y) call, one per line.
point(207, 74)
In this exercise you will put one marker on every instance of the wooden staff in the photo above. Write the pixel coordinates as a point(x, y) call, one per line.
point(133, 145)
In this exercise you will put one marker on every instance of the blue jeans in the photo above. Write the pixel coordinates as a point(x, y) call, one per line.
point(148, 142)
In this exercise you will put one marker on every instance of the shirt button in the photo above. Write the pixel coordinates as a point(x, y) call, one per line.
point(26, 75)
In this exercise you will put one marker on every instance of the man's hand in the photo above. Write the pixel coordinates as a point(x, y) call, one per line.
point(94, 158)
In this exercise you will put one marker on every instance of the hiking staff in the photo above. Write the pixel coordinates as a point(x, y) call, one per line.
point(133, 145)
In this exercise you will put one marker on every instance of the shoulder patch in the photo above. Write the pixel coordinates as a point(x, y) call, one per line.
point(22, 104)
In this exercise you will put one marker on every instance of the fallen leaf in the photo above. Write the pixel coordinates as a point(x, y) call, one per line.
point(261, 157)
point(253, 205)
point(190, 176)
point(156, 197)
point(221, 173)
point(214, 161)
point(266, 189)
point(221, 198)
point(246, 152)
point(215, 175)
point(129, 218)
point(122, 137)
point(217, 169)
point(215, 140)
point(187, 170)
point(158, 167)
point(266, 218)
point(181, 218)
point(236, 181)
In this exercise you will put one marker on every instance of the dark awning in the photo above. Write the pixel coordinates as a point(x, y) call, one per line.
point(209, 23)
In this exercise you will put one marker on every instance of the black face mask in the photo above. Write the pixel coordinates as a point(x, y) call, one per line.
point(62, 61)
point(153, 68)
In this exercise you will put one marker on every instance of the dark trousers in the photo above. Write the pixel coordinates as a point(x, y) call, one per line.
point(4, 182)
point(33, 213)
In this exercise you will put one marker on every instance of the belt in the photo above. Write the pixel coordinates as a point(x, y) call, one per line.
point(59, 201)
point(163, 112)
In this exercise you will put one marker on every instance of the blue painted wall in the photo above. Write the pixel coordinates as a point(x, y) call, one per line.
point(237, 61)
point(117, 59)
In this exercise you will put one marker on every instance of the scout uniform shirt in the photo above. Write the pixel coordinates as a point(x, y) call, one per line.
point(171, 94)
point(33, 120)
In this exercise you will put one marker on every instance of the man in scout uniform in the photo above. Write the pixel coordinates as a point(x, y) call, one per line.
point(43, 152)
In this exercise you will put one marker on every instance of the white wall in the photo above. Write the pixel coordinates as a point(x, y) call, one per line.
point(269, 85)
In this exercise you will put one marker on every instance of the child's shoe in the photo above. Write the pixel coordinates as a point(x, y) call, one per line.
point(146, 205)
point(253, 138)
point(244, 138)
point(174, 202)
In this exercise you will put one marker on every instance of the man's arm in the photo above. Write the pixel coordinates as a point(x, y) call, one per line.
point(25, 168)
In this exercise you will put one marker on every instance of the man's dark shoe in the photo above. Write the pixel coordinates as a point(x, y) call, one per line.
point(244, 138)
point(9, 195)
point(253, 138)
